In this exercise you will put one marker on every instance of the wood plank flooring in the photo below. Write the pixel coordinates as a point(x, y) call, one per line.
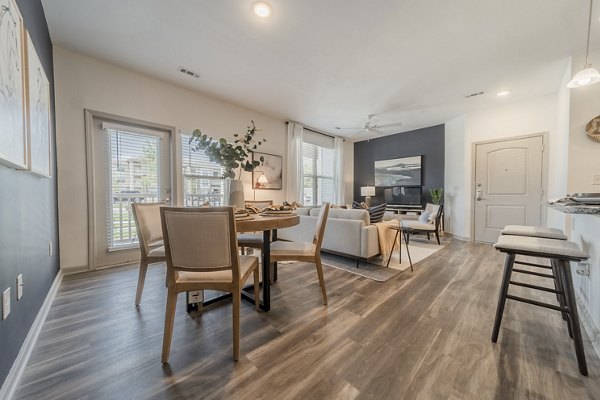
point(420, 335)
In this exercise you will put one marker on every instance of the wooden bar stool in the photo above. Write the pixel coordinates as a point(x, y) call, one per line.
point(560, 253)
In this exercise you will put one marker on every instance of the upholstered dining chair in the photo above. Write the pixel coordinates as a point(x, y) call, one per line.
point(202, 254)
point(305, 251)
point(149, 232)
point(429, 224)
point(253, 240)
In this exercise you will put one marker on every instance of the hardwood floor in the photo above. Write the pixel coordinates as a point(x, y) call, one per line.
point(420, 335)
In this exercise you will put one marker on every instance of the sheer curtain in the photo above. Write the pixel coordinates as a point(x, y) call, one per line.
point(295, 172)
point(338, 165)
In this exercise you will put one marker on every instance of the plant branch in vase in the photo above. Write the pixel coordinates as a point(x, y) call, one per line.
point(232, 156)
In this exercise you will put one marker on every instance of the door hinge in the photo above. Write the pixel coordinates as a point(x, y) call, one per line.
point(542, 148)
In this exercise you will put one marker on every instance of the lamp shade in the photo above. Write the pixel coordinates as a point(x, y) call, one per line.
point(586, 76)
point(262, 179)
point(367, 191)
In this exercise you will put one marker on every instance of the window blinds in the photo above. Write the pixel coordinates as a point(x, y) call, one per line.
point(318, 174)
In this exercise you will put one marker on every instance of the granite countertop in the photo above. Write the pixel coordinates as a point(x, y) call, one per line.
point(573, 208)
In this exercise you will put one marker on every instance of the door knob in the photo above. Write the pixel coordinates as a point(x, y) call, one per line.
point(478, 193)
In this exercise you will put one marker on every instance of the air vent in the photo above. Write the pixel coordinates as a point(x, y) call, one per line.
point(474, 94)
point(188, 72)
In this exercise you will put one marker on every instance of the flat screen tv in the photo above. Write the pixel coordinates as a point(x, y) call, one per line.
point(404, 171)
point(404, 196)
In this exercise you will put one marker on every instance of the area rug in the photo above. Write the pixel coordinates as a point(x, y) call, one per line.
point(375, 269)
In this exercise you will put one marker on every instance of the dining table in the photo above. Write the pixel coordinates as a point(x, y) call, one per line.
point(268, 225)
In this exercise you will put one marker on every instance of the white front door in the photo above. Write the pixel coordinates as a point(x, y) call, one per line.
point(508, 185)
point(131, 164)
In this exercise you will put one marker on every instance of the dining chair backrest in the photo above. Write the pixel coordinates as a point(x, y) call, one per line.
point(320, 226)
point(200, 239)
point(147, 222)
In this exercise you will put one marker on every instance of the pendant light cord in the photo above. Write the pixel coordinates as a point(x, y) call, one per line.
point(587, 51)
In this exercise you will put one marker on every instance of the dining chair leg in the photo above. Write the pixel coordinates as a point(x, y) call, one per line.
point(256, 289)
point(237, 297)
point(508, 267)
point(437, 236)
point(321, 279)
point(169, 320)
point(141, 280)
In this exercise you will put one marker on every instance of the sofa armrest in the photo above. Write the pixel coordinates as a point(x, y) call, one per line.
point(369, 242)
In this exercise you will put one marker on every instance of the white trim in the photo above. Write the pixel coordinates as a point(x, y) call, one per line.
point(588, 324)
point(16, 372)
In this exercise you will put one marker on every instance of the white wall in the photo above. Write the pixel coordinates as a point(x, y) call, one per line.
point(85, 83)
point(535, 115)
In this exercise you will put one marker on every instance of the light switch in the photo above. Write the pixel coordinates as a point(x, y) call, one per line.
point(5, 303)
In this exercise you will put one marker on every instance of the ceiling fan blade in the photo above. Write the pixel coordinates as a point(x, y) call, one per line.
point(387, 125)
point(376, 131)
point(338, 128)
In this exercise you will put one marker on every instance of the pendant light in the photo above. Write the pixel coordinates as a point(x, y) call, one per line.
point(588, 75)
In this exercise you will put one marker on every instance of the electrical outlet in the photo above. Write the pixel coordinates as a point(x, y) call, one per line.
point(19, 286)
point(195, 296)
point(6, 303)
point(596, 179)
point(50, 248)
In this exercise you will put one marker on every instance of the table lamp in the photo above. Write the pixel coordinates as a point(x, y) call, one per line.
point(367, 191)
point(262, 180)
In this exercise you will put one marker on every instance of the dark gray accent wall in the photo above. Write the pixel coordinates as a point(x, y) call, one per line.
point(428, 142)
point(28, 220)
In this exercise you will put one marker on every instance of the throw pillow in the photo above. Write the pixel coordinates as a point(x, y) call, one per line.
point(376, 213)
point(358, 206)
point(424, 217)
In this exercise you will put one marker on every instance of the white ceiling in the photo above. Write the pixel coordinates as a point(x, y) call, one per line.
point(328, 63)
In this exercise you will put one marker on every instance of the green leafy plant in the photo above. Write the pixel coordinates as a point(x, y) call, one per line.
point(231, 156)
point(436, 195)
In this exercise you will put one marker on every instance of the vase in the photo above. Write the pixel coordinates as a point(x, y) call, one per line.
point(236, 194)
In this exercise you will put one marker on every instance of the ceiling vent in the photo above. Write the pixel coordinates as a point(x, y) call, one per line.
point(188, 72)
point(473, 94)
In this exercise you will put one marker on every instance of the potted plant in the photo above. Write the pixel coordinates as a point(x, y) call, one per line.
point(436, 195)
point(233, 156)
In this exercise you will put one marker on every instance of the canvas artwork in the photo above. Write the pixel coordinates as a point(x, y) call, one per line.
point(272, 168)
point(13, 138)
point(39, 114)
point(404, 171)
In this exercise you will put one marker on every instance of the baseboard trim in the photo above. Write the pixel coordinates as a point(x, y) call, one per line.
point(14, 376)
point(588, 324)
point(75, 270)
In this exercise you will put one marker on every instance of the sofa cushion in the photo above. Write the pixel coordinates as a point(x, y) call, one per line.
point(341, 213)
point(376, 213)
point(302, 211)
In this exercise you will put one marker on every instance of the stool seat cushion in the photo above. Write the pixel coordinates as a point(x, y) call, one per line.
point(550, 248)
point(250, 238)
point(535, 231)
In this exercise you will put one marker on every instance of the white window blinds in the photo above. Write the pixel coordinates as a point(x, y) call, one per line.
point(318, 174)
point(202, 179)
point(133, 176)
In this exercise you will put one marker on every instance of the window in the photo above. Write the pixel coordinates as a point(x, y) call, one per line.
point(202, 179)
point(133, 176)
point(318, 168)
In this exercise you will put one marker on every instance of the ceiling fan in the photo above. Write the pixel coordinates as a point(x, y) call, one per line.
point(371, 126)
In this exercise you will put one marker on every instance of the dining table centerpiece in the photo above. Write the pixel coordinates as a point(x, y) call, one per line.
point(234, 157)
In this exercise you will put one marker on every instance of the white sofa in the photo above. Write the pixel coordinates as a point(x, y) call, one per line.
point(347, 232)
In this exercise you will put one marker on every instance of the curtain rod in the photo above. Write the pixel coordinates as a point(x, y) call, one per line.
point(308, 128)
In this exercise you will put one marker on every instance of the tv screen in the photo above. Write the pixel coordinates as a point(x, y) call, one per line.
point(400, 195)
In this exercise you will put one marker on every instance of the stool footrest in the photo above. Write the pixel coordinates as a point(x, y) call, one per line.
point(533, 265)
point(537, 303)
point(524, 271)
point(536, 287)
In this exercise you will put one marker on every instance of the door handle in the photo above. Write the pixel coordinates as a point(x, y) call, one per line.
point(478, 193)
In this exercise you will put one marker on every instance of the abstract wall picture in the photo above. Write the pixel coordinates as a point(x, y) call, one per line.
point(272, 169)
point(13, 137)
point(39, 122)
point(404, 171)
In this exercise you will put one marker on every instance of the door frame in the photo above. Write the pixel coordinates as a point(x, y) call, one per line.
point(89, 116)
point(545, 152)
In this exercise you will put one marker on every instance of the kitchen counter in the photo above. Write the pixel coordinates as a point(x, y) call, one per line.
point(571, 208)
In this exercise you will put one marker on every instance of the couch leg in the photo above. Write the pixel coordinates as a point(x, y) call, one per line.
point(357, 262)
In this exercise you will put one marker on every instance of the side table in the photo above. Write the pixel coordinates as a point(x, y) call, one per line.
point(404, 230)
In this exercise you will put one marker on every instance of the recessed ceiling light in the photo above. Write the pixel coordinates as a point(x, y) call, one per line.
point(261, 9)
point(503, 93)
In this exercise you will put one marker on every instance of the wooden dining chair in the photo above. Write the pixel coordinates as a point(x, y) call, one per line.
point(150, 237)
point(201, 250)
point(250, 239)
point(305, 251)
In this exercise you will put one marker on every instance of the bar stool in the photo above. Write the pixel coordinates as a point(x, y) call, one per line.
point(560, 253)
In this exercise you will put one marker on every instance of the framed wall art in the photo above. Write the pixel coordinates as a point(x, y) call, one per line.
point(13, 133)
point(271, 169)
point(38, 112)
point(404, 171)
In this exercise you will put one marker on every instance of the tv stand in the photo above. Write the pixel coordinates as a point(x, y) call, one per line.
point(404, 209)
